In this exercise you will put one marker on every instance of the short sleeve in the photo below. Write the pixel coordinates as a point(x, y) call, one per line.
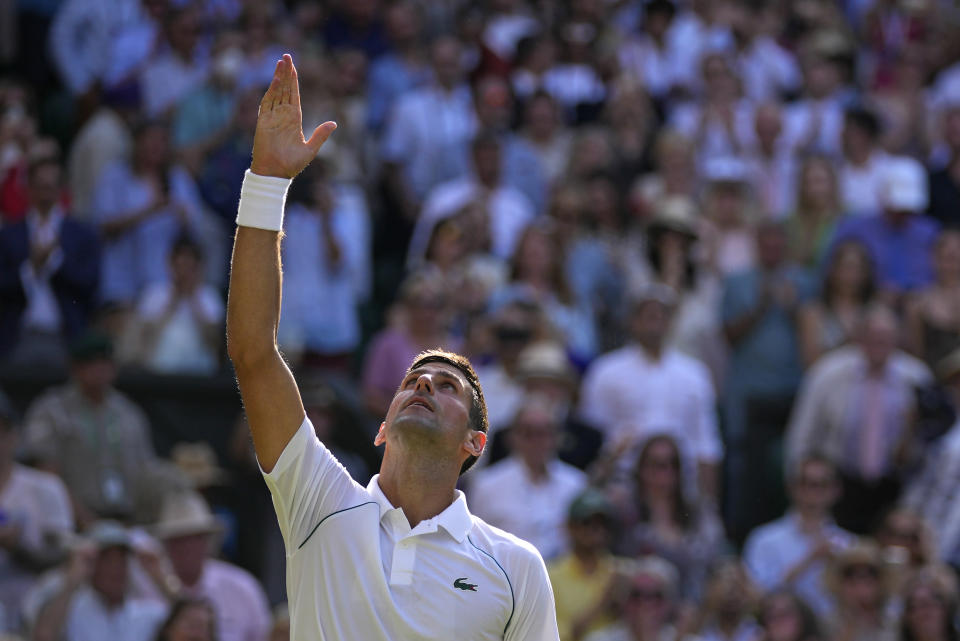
point(535, 616)
point(307, 484)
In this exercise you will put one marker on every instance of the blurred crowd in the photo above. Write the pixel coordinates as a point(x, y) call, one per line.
point(704, 254)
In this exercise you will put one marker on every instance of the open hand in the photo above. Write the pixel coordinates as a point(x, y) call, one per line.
point(279, 147)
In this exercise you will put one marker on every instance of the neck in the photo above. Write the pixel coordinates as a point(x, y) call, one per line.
point(94, 396)
point(418, 483)
point(588, 558)
point(653, 350)
point(110, 602)
point(44, 211)
point(727, 623)
point(859, 157)
point(810, 519)
point(537, 471)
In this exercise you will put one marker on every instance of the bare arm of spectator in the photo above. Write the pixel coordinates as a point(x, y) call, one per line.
point(53, 615)
point(269, 391)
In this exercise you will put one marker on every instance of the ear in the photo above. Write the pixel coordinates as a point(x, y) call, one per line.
point(475, 442)
point(380, 438)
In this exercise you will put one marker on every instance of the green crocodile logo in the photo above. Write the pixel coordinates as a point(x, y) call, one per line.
point(460, 585)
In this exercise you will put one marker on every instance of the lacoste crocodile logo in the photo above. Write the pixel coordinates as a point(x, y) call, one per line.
point(460, 585)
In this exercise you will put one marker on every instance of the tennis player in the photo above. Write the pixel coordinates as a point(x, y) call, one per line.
point(402, 558)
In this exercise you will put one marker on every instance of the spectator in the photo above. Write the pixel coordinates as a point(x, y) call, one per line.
point(356, 25)
point(792, 552)
point(945, 182)
point(92, 600)
point(651, 59)
point(729, 603)
point(900, 239)
point(507, 210)
point(903, 105)
point(829, 321)
point(419, 324)
point(543, 130)
point(768, 70)
point(337, 426)
point(544, 370)
point(671, 258)
point(772, 165)
point(49, 269)
point(93, 436)
point(187, 529)
point(537, 273)
point(932, 492)
point(814, 123)
point(415, 151)
point(810, 227)
point(181, 66)
point(582, 577)
point(729, 240)
point(675, 172)
point(189, 620)
point(141, 208)
point(573, 80)
point(854, 408)
point(648, 605)
point(327, 253)
point(528, 493)
point(903, 535)
point(180, 322)
point(930, 607)
point(281, 623)
point(722, 123)
point(35, 521)
point(932, 321)
point(863, 169)
point(859, 583)
point(759, 320)
point(784, 616)
point(649, 387)
point(662, 520)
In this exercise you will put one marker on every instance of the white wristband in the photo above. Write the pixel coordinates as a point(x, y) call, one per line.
point(261, 201)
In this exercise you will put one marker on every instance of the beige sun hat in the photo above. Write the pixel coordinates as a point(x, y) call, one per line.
point(185, 514)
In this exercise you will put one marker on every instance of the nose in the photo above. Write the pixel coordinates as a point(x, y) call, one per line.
point(425, 384)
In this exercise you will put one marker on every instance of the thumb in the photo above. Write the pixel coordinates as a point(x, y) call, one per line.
point(320, 135)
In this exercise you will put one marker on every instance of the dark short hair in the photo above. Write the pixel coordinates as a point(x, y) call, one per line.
point(478, 406)
point(865, 119)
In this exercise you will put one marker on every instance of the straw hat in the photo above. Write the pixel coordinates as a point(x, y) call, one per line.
point(185, 514)
point(676, 213)
point(199, 463)
point(545, 360)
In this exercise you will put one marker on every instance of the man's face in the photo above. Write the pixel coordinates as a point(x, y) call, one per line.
point(188, 555)
point(815, 487)
point(95, 376)
point(432, 407)
point(533, 437)
point(650, 322)
point(771, 247)
point(45, 186)
point(110, 573)
point(879, 340)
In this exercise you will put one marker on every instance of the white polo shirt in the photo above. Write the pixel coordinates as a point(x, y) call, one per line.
point(356, 570)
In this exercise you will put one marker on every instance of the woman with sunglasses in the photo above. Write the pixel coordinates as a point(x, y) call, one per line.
point(859, 582)
point(784, 616)
point(930, 606)
point(648, 605)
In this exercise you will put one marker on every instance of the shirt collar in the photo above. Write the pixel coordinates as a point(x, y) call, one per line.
point(52, 222)
point(455, 519)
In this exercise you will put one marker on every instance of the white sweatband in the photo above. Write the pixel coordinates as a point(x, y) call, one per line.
point(261, 201)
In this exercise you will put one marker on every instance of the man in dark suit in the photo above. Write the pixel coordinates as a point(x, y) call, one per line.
point(49, 269)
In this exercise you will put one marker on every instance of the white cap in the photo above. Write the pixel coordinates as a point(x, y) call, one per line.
point(904, 185)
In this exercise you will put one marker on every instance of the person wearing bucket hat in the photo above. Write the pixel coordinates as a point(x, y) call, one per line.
point(92, 598)
point(93, 436)
point(861, 585)
point(189, 532)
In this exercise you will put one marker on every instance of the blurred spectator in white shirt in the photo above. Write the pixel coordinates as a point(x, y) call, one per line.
point(180, 321)
point(91, 599)
point(327, 256)
point(863, 165)
point(814, 123)
point(142, 206)
point(528, 493)
point(648, 387)
point(768, 70)
point(651, 58)
point(35, 521)
point(181, 66)
point(772, 164)
point(427, 128)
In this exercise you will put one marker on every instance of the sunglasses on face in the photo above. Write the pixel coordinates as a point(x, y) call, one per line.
point(860, 572)
point(646, 595)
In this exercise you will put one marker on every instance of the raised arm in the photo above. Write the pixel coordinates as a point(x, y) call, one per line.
point(270, 396)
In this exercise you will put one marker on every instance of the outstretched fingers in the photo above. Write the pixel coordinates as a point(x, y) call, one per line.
point(272, 97)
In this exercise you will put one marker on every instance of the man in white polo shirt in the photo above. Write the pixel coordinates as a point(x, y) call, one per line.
point(402, 558)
